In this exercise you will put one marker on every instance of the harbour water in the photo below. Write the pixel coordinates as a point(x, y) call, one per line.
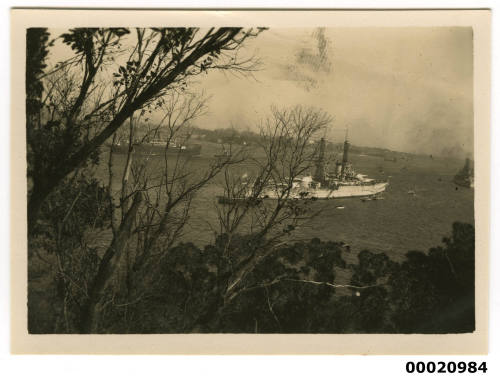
point(416, 212)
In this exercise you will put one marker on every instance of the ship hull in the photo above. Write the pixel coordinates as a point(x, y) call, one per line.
point(145, 149)
point(468, 183)
point(344, 191)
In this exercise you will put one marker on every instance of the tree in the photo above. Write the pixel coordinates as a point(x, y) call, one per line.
point(119, 72)
point(252, 229)
point(71, 110)
point(151, 207)
point(36, 53)
point(434, 292)
point(63, 256)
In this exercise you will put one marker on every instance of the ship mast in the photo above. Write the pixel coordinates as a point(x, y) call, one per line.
point(345, 158)
point(319, 174)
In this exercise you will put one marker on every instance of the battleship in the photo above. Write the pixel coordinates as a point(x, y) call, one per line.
point(158, 147)
point(465, 177)
point(344, 182)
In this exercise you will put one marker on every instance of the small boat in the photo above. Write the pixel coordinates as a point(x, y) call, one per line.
point(412, 192)
point(339, 207)
point(372, 198)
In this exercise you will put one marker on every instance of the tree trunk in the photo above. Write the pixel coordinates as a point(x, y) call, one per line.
point(107, 267)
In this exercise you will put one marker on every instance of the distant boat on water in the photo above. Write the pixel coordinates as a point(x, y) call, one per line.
point(465, 177)
point(158, 147)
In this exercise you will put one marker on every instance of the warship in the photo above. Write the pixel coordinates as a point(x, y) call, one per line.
point(465, 177)
point(344, 182)
point(158, 147)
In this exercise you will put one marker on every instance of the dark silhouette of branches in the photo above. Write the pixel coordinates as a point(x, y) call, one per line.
point(117, 71)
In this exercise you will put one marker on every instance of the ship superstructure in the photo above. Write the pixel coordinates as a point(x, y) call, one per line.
point(341, 183)
point(465, 177)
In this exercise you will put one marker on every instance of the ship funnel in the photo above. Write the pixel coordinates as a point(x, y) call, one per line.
point(319, 174)
point(345, 158)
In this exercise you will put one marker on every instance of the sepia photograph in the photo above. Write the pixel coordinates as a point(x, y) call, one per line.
point(317, 178)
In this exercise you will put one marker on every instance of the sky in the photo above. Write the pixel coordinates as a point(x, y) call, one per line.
point(406, 89)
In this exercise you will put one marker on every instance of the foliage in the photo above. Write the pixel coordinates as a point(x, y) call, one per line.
point(188, 296)
point(113, 73)
point(295, 289)
point(37, 43)
point(434, 292)
point(72, 109)
point(63, 257)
